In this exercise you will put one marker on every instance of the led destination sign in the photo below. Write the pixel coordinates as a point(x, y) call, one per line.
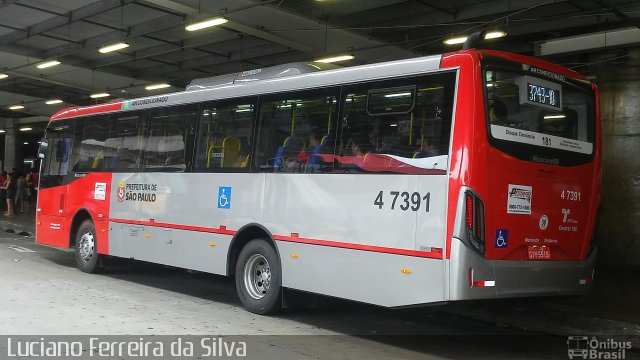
point(543, 95)
point(538, 92)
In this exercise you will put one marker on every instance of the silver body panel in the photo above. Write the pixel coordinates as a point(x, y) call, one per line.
point(176, 225)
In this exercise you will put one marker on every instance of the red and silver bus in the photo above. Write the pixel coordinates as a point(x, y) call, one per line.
point(468, 175)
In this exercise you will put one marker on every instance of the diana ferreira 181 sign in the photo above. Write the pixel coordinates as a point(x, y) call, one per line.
point(118, 347)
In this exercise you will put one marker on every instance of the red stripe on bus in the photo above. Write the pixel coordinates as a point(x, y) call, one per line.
point(380, 249)
point(434, 254)
point(222, 230)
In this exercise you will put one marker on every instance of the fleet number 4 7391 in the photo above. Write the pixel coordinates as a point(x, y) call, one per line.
point(414, 201)
point(570, 195)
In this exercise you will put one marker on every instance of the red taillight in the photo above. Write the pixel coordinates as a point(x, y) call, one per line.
point(469, 218)
point(474, 220)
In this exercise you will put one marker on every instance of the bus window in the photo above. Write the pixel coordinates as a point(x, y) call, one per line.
point(171, 132)
point(88, 149)
point(124, 143)
point(60, 147)
point(399, 126)
point(224, 138)
point(296, 133)
point(530, 117)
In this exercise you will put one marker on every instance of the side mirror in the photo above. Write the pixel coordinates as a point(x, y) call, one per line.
point(42, 150)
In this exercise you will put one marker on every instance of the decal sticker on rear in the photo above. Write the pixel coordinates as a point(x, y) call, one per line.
point(519, 199)
point(502, 238)
point(100, 191)
point(544, 222)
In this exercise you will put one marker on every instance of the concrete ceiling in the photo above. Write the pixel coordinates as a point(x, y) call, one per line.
point(258, 34)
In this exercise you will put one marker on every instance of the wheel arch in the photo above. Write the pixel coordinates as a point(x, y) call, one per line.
point(243, 236)
point(80, 216)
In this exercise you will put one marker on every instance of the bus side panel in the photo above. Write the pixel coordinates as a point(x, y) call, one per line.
point(356, 209)
point(91, 193)
point(182, 220)
point(51, 227)
point(355, 227)
point(371, 277)
point(52, 230)
point(193, 199)
point(188, 249)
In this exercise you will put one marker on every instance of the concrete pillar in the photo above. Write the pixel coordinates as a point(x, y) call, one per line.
point(618, 231)
point(11, 146)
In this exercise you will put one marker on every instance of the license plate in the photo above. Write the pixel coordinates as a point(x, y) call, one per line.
point(539, 252)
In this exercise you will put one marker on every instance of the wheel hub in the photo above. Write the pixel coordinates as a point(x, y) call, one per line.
point(257, 276)
point(86, 246)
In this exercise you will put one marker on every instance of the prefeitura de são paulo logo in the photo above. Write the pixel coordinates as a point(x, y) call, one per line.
point(120, 197)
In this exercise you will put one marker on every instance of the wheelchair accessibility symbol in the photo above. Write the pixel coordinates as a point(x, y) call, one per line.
point(224, 197)
point(502, 238)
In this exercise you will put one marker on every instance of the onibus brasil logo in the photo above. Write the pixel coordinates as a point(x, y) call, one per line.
point(583, 347)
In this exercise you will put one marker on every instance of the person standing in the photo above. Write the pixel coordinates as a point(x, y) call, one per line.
point(21, 193)
point(32, 184)
point(10, 188)
point(3, 192)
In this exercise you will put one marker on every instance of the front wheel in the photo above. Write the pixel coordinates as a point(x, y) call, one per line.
point(87, 258)
point(259, 278)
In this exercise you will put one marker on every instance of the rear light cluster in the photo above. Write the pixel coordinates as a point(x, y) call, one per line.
point(474, 221)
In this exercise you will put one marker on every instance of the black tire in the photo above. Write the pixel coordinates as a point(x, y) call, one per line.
point(87, 258)
point(259, 278)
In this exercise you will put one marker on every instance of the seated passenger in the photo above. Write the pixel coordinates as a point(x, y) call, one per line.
point(290, 156)
point(426, 150)
point(498, 111)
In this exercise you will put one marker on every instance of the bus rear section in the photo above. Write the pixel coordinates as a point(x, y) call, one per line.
point(525, 218)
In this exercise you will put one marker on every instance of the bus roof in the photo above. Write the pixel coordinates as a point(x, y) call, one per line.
point(406, 67)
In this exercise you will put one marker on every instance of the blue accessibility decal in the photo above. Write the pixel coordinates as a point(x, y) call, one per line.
point(224, 197)
point(502, 238)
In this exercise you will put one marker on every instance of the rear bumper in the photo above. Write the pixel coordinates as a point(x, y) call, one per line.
point(473, 277)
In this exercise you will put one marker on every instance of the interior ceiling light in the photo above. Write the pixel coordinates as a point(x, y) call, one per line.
point(336, 58)
point(3, 76)
point(456, 40)
point(53, 102)
point(16, 107)
point(114, 47)
point(494, 34)
point(157, 86)
point(47, 64)
point(26, 129)
point(99, 95)
point(559, 116)
point(26, 143)
point(206, 23)
point(2, 131)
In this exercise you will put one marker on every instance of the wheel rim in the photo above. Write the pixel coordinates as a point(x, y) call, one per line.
point(86, 246)
point(257, 276)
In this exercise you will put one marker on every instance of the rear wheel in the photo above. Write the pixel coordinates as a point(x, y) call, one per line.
point(87, 258)
point(259, 278)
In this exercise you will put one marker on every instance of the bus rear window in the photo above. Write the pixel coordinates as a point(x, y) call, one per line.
point(532, 118)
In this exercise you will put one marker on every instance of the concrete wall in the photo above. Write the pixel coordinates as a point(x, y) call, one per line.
point(618, 233)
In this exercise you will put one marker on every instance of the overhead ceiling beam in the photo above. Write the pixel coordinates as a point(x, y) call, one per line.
point(90, 10)
point(438, 8)
point(47, 79)
point(6, 3)
point(156, 51)
point(249, 30)
point(147, 27)
point(209, 61)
